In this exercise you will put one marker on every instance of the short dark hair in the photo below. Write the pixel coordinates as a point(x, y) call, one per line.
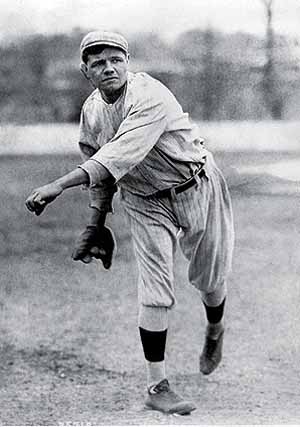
point(94, 50)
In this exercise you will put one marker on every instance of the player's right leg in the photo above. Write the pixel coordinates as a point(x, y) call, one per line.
point(154, 240)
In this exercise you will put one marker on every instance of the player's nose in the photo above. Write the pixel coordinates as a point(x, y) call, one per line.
point(108, 68)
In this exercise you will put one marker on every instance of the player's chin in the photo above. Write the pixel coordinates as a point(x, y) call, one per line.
point(111, 85)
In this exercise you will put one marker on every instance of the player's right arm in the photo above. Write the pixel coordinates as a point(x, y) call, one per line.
point(42, 196)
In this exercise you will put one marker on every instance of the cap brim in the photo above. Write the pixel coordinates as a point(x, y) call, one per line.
point(104, 44)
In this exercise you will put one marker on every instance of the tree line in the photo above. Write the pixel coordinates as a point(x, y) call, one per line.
point(215, 76)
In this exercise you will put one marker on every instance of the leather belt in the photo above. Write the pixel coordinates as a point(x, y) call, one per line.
point(177, 189)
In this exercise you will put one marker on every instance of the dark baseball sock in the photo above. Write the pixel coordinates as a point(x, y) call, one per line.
point(154, 344)
point(215, 314)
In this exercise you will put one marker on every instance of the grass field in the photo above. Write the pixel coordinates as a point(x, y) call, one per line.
point(70, 351)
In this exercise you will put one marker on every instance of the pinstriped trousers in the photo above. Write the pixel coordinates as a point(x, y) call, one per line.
point(200, 221)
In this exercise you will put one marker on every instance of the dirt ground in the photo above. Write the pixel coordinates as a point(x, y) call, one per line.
point(69, 348)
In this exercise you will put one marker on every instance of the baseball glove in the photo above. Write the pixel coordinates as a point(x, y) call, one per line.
point(97, 243)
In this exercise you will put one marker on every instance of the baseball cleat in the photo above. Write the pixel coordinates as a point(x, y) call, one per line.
point(162, 398)
point(211, 354)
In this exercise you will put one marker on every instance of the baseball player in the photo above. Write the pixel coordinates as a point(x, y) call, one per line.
point(134, 136)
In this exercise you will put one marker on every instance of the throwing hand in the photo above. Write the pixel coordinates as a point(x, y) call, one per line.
point(41, 197)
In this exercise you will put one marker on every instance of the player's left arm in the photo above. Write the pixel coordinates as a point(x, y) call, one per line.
point(96, 241)
point(101, 194)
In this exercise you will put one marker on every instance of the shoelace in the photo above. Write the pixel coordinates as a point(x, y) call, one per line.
point(163, 386)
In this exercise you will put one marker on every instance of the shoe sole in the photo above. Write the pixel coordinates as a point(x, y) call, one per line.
point(175, 411)
point(208, 372)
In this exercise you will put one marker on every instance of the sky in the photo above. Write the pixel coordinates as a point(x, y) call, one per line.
point(167, 17)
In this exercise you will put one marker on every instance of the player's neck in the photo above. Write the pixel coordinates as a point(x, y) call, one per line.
point(111, 98)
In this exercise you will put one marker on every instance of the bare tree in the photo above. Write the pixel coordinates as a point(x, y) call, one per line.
point(208, 74)
point(270, 81)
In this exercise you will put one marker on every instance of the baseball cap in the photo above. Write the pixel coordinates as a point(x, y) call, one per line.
point(107, 38)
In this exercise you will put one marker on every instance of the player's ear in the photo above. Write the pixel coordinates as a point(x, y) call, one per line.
point(84, 70)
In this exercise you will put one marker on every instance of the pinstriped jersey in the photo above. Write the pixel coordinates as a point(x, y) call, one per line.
point(144, 139)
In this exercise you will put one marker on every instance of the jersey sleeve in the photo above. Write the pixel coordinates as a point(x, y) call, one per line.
point(100, 194)
point(138, 133)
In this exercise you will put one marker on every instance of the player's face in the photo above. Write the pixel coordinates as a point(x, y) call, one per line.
point(108, 70)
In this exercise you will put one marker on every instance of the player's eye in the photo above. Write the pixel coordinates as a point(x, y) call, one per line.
point(116, 60)
point(97, 64)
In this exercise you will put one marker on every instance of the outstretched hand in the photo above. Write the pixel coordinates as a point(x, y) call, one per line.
point(41, 197)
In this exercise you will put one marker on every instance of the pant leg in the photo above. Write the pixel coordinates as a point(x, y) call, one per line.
point(154, 240)
point(207, 240)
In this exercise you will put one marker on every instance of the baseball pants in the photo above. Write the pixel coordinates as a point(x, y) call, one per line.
point(200, 221)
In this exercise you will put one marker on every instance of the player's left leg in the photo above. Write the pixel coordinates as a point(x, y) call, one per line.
point(211, 354)
point(207, 242)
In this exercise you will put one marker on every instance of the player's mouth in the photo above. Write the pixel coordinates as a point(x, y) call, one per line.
point(110, 79)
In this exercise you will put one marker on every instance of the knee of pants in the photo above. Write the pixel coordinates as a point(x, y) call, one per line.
point(215, 298)
point(154, 293)
point(153, 318)
point(209, 273)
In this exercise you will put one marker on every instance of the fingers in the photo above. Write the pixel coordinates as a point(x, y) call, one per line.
point(30, 202)
point(40, 197)
point(101, 253)
point(94, 252)
point(78, 254)
point(106, 263)
point(83, 254)
point(34, 203)
point(87, 259)
point(97, 252)
point(90, 245)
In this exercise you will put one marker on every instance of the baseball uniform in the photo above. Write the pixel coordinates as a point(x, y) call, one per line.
point(148, 144)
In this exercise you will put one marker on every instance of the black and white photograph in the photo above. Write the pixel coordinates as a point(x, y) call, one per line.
point(149, 226)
